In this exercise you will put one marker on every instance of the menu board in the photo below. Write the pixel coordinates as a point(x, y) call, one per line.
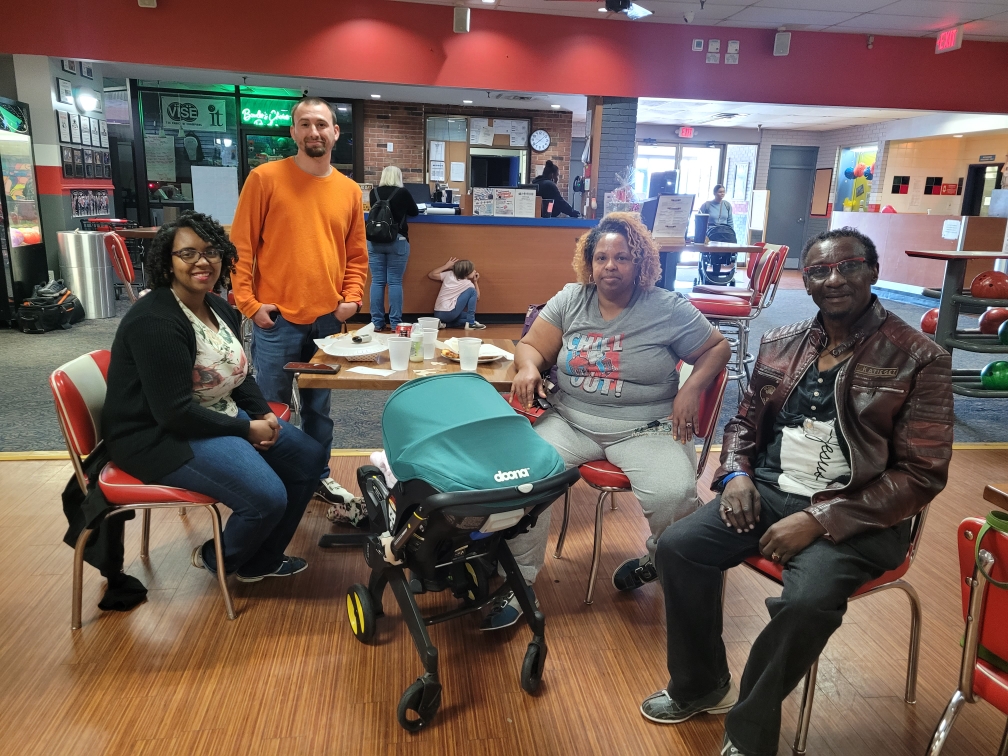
point(504, 202)
point(672, 216)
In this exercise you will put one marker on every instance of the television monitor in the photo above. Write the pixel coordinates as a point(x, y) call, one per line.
point(663, 182)
point(421, 193)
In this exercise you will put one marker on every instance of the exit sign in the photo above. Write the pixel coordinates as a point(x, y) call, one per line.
point(949, 40)
point(685, 132)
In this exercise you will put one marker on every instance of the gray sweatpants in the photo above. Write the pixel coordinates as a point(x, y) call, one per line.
point(662, 472)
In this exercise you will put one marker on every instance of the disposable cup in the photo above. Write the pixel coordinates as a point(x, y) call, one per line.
point(429, 343)
point(428, 324)
point(398, 349)
point(469, 349)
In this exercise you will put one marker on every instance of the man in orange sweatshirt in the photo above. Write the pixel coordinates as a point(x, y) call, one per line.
point(302, 263)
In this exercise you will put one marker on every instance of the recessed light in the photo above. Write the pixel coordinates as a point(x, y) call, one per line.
point(555, 107)
point(603, 9)
point(489, 2)
point(957, 136)
point(467, 102)
point(375, 97)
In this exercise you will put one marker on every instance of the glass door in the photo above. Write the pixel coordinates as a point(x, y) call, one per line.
point(17, 168)
point(699, 173)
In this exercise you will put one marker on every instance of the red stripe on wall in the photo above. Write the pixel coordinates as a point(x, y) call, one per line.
point(51, 181)
point(410, 43)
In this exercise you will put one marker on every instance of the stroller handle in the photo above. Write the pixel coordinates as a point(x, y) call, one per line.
point(561, 481)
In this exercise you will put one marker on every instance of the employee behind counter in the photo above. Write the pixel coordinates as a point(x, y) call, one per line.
point(547, 189)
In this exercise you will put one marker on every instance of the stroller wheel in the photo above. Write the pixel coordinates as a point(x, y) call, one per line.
point(360, 610)
point(532, 667)
point(422, 698)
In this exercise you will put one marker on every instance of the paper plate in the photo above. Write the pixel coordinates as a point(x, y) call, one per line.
point(448, 355)
point(346, 348)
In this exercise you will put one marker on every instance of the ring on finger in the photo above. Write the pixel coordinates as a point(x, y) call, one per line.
point(775, 557)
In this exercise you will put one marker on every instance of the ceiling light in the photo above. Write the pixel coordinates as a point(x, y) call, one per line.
point(467, 102)
point(631, 9)
point(957, 136)
point(635, 12)
point(344, 108)
point(555, 107)
point(489, 2)
point(87, 99)
point(375, 97)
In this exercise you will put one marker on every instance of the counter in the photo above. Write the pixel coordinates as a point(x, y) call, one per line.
point(521, 261)
point(896, 233)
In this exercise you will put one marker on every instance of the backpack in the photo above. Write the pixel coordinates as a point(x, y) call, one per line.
point(381, 226)
point(50, 307)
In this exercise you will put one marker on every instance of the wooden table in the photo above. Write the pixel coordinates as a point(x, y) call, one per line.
point(947, 334)
point(669, 253)
point(145, 233)
point(997, 494)
point(499, 372)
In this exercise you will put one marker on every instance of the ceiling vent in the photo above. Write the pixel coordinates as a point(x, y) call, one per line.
point(515, 97)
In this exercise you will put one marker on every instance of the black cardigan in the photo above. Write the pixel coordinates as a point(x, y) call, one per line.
point(401, 203)
point(150, 411)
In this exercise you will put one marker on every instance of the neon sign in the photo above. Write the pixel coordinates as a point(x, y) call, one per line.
point(949, 40)
point(271, 114)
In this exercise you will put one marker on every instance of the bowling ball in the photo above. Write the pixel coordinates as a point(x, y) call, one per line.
point(991, 284)
point(991, 320)
point(995, 376)
point(1003, 333)
point(929, 323)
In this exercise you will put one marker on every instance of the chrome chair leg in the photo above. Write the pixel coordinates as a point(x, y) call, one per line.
point(612, 501)
point(1003, 750)
point(181, 511)
point(145, 535)
point(563, 527)
point(78, 578)
point(805, 713)
point(913, 653)
point(597, 554)
point(219, 552)
point(945, 726)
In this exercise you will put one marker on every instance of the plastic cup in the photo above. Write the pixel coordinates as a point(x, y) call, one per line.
point(428, 324)
point(429, 343)
point(398, 349)
point(469, 349)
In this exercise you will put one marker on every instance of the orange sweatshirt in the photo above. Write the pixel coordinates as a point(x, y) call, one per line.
point(306, 236)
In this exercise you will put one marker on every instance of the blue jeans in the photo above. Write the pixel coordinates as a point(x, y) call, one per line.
point(272, 348)
point(267, 493)
point(464, 312)
point(388, 263)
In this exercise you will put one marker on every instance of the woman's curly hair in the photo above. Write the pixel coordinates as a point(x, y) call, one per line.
point(158, 262)
point(643, 248)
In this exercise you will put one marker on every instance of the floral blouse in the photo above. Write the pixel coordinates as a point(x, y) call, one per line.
point(220, 365)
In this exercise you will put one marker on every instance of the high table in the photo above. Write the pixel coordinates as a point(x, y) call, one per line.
point(997, 494)
point(947, 334)
point(669, 253)
point(143, 236)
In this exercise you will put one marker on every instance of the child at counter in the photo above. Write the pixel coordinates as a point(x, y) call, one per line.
point(455, 305)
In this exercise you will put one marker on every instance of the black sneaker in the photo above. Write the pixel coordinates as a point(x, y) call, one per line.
point(728, 748)
point(506, 611)
point(663, 709)
point(634, 573)
point(289, 566)
point(332, 492)
point(474, 326)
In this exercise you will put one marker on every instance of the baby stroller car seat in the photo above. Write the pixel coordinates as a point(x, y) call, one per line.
point(471, 474)
point(718, 268)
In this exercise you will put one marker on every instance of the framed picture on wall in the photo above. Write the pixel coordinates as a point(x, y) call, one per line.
point(65, 91)
point(88, 164)
point(95, 133)
point(70, 66)
point(103, 133)
point(63, 125)
point(78, 163)
point(107, 159)
point(66, 153)
point(85, 131)
point(86, 70)
point(75, 131)
point(821, 192)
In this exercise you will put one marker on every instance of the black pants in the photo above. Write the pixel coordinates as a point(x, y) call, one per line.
point(691, 556)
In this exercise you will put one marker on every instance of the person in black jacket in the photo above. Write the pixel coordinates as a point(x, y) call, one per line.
point(547, 189)
point(180, 411)
point(388, 261)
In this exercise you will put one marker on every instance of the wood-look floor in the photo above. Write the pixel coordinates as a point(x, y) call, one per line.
point(287, 677)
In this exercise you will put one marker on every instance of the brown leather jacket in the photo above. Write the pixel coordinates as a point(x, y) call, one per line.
point(894, 408)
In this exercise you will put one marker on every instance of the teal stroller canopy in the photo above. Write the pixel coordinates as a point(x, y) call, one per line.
point(455, 432)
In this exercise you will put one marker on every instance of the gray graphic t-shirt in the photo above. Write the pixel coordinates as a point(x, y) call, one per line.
point(625, 367)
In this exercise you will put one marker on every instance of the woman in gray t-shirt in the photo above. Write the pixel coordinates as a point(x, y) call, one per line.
point(616, 340)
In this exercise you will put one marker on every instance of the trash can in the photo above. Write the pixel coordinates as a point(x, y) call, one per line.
point(87, 269)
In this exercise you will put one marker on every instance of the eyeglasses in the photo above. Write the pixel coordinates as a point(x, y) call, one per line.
point(845, 267)
point(190, 255)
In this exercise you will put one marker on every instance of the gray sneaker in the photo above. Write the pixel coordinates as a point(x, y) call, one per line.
point(728, 748)
point(505, 612)
point(663, 709)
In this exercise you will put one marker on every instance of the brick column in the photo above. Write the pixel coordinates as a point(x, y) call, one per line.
point(619, 130)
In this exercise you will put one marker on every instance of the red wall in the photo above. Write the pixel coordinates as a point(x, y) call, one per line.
point(380, 40)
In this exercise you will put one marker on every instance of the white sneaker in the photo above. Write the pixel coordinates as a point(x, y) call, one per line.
point(333, 492)
point(474, 326)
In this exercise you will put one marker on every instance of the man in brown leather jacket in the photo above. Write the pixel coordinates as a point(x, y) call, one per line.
point(842, 435)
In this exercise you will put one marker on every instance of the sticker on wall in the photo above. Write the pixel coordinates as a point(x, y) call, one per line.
point(713, 45)
point(731, 59)
point(733, 45)
point(713, 57)
point(932, 185)
point(697, 45)
point(900, 184)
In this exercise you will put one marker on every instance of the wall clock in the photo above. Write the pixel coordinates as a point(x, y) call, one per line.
point(540, 140)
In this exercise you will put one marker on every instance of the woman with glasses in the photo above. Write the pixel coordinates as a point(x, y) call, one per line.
point(180, 409)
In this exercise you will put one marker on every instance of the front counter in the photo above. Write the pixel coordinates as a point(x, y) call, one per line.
point(895, 233)
point(521, 261)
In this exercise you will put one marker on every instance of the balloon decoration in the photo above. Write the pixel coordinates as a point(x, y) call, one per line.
point(888, 209)
point(868, 173)
point(929, 323)
point(991, 284)
point(849, 173)
point(991, 320)
point(859, 170)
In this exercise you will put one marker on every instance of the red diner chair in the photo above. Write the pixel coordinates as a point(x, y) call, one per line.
point(986, 615)
point(890, 579)
point(734, 313)
point(751, 262)
point(115, 245)
point(608, 479)
point(78, 389)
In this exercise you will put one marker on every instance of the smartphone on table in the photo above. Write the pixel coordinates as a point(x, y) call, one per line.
point(312, 367)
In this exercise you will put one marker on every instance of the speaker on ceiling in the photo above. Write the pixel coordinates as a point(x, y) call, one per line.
point(781, 43)
point(461, 19)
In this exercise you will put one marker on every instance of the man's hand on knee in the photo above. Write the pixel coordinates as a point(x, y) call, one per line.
point(740, 504)
point(790, 536)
